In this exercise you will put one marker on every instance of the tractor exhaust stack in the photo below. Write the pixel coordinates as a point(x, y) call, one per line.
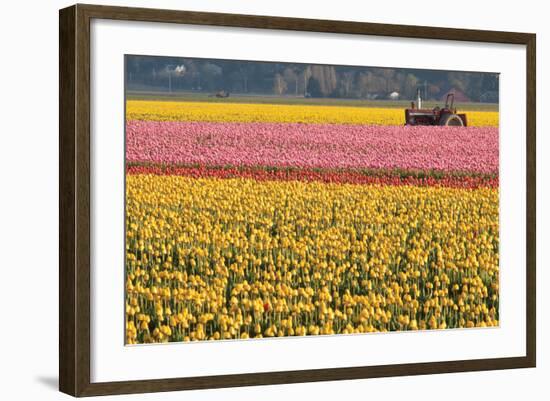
point(418, 99)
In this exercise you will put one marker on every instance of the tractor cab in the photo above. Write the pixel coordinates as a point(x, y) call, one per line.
point(444, 116)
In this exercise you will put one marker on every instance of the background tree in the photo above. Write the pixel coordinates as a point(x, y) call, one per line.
point(291, 78)
point(346, 84)
point(314, 87)
point(410, 85)
point(279, 84)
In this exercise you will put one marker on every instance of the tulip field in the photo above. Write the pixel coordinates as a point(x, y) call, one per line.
point(269, 220)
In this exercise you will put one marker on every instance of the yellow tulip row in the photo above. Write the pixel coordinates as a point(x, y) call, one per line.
point(247, 112)
point(210, 259)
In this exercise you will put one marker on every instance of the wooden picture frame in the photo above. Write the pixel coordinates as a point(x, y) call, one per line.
point(74, 199)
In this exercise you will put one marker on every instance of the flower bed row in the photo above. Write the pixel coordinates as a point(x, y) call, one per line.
point(446, 149)
point(325, 176)
point(308, 114)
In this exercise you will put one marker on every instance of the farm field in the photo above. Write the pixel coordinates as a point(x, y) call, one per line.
point(253, 220)
point(296, 100)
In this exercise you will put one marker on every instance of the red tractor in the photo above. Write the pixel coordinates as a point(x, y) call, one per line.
point(446, 116)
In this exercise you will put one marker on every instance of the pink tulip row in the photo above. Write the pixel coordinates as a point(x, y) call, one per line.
point(472, 149)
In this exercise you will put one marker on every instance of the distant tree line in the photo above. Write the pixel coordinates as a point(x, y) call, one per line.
point(287, 79)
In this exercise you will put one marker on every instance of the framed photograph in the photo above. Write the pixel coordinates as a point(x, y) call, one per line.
point(249, 200)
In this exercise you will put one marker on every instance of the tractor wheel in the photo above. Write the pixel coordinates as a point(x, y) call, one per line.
point(451, 120)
